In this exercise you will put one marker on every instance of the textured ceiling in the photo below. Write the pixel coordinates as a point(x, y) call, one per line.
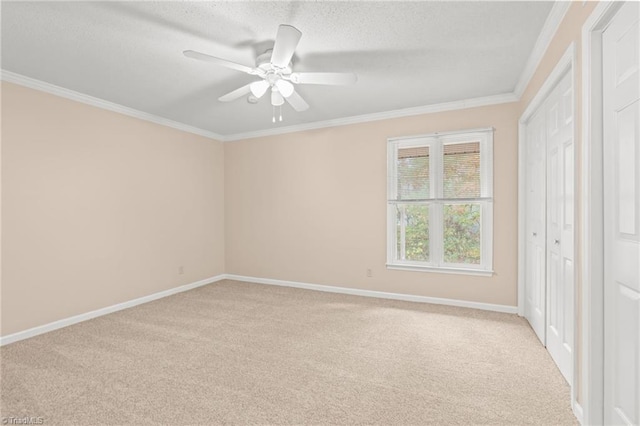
point(406, 54)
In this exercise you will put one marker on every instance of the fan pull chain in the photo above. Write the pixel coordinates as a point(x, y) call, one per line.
point(281, 113)
point(273, 119)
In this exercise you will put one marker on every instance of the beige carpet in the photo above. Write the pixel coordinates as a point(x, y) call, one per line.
point(243, 353)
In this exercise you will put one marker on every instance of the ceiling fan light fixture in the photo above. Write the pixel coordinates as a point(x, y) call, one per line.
point(259, 88)
point(276, 97)
point(285, 88)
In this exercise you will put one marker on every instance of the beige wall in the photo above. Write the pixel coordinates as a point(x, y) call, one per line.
point(311, 207)
point(100, 208)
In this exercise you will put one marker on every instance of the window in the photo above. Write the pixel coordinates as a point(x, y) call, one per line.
point(440, 205)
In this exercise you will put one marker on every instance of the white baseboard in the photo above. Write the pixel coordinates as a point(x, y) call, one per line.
point(21, 335)
point(378, 294)
point(577, 411)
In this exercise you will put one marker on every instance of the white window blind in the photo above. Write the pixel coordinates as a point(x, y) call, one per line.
point(461, 163)
point(440, 206)
point(413, 173)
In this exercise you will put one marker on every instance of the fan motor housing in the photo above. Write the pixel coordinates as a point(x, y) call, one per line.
point(264, 63)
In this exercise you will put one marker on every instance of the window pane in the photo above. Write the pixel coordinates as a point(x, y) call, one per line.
point(413, 173)
point(462, 233)
point(462, 170)
point(412, 232)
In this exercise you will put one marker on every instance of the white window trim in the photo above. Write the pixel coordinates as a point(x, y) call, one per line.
point(439, 269)
point(435, 142)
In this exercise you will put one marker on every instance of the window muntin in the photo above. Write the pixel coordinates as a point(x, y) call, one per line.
point(440, 208)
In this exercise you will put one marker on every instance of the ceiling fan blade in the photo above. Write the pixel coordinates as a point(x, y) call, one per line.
point(330, 78)
point(296, 101)
point(286, 41)
point(203, 57)
point(238, 93)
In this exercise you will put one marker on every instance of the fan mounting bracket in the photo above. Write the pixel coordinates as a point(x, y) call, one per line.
point(263, 62)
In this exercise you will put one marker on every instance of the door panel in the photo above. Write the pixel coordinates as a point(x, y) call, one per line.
point(560, 226)
point(535, 225)
point(621, 84)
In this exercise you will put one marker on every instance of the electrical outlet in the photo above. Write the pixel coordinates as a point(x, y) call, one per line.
point(369, 273)
point(180, 270)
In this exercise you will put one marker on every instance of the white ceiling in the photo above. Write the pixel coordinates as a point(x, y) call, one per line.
point(406, 54)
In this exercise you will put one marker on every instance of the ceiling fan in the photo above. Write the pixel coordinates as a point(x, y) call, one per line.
point(274, 69)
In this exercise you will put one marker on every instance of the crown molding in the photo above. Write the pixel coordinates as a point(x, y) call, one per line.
point(549, 29)
point(32, 83)
point(398, 113)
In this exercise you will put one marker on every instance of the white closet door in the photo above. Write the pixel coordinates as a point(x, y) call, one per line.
point(535, 225)
point(560, 226)
point(621, 50)
point(549, 224)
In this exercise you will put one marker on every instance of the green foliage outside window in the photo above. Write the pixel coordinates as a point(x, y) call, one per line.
point(416, 222)
point(462, 233)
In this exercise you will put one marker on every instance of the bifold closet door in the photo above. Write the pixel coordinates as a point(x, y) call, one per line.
point(535, 225)
point(549, 224)
point(560, 226)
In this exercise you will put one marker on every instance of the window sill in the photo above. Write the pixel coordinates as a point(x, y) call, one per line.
point(441, 270)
